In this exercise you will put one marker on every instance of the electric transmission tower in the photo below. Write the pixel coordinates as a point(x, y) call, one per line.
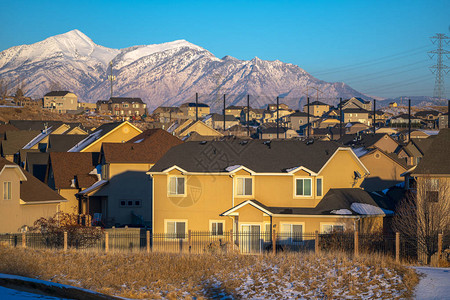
point(439, 69)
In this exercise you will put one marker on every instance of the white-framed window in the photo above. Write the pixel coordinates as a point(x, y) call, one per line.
point(244, 186)
point(292, 232)
point(7, 190)
point(124, 105)
point(177, 185)
point(217, 227)
point(176, 229)
point(319, 187)
point(303, 187)
point(332, 228)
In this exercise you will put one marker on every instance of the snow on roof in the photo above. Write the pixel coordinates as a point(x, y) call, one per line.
point(360, 151)
point(368, 209)
point(86, 142)
point(38, 138)
point(93, 187)
point(291, 169)
point(341, 211)
point(232, 168)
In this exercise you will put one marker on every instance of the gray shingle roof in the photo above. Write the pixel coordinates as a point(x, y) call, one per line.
point(56, 93)
point(125, 99)
point(257, 155)
point(63, 142)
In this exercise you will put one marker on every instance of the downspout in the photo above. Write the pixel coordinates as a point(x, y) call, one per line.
point(153, 202)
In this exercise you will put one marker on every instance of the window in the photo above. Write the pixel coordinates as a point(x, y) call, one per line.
point(292, 232)
point(7, 190)
point(432, 194)
point(332, 228)
point(217, 227)
point(244, 186)
point(319, 189)
point(176, 229)
point(176, 185)
point(303, 187)
point(124, 105)
point(130, 203)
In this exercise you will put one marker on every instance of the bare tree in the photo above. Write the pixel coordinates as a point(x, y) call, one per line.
point(3, 88)
point(424, 213)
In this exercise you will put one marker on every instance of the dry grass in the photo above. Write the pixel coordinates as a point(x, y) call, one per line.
point(174, 276)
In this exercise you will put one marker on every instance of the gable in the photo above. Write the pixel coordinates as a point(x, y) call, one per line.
point(202, 129)
point(120, 134)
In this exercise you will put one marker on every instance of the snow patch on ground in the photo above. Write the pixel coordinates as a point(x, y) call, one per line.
point(434, 285)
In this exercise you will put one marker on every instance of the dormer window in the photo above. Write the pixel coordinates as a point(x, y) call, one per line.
point(303, 187)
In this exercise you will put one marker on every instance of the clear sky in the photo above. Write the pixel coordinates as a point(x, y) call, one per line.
point(377, 47)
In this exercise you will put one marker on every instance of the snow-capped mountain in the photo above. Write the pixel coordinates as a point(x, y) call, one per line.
point(164, 74)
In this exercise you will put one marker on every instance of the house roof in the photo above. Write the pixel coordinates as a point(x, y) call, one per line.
point(316, 103)
point(63, 142)
point(219, 117)
point(357, 98)
point(148, 150)
point(125, 99)
point(32, 189)
point(37, 164)
point(40, 125)
point(355, 110)
point(425, 113)
point(343, 202)
point(67, 166)
point(258, 155)
point(94, 136)
point(436, 159)
point(236, 107)
point(193, 104)
point(300, 114)
point(56, 93)
point(15, 140)
point(6, 127)
point(365, 140)
point(271, 130)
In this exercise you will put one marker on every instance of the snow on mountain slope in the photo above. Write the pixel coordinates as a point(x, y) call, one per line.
point(168, 73)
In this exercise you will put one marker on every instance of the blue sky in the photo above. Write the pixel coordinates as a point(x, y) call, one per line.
point(377, 47)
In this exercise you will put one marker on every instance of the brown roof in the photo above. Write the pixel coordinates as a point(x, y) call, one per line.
point(148, 147)
point(33, 190)
point(436, 160)
point(67, 166)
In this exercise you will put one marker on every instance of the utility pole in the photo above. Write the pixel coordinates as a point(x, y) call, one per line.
point(248, 115)
point(224, 112)
point(278, 117)
point(196, 106)
point(374, 114)
point(307, 128)
point(340, 117)
point(409, 120)
point(111, 77)
point(318, 91)
point(439, 69)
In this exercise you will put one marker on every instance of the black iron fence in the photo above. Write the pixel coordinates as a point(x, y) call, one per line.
point(402, 248)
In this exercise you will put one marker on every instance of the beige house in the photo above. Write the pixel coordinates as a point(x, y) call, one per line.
point(189, 126)
point(234, 110)
point(23, 198)
point(316, 108)
point(357, 115)
point(60, 101)
point(190, 110)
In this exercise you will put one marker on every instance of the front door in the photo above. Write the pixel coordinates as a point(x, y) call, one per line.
point(250, 238)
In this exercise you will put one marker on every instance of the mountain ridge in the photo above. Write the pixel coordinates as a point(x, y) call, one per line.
point(161, 74)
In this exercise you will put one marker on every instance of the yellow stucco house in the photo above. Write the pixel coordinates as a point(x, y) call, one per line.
point(254, 186)
point(23, 198)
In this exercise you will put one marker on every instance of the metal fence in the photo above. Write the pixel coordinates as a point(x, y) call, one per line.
point(406, 249)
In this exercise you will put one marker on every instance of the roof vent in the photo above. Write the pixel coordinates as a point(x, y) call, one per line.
point(202, 142)
point(243, 142)
point(309, 141)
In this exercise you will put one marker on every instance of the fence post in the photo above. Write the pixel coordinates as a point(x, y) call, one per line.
point(189, 240)
point(148, 241)
point(106, 242)
point(356, 243)
point(65, 240)
point(274, 242)
point(24, 240)
point(316, 242)
point(397, 247)
point(231, 240)
point(439, 248)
